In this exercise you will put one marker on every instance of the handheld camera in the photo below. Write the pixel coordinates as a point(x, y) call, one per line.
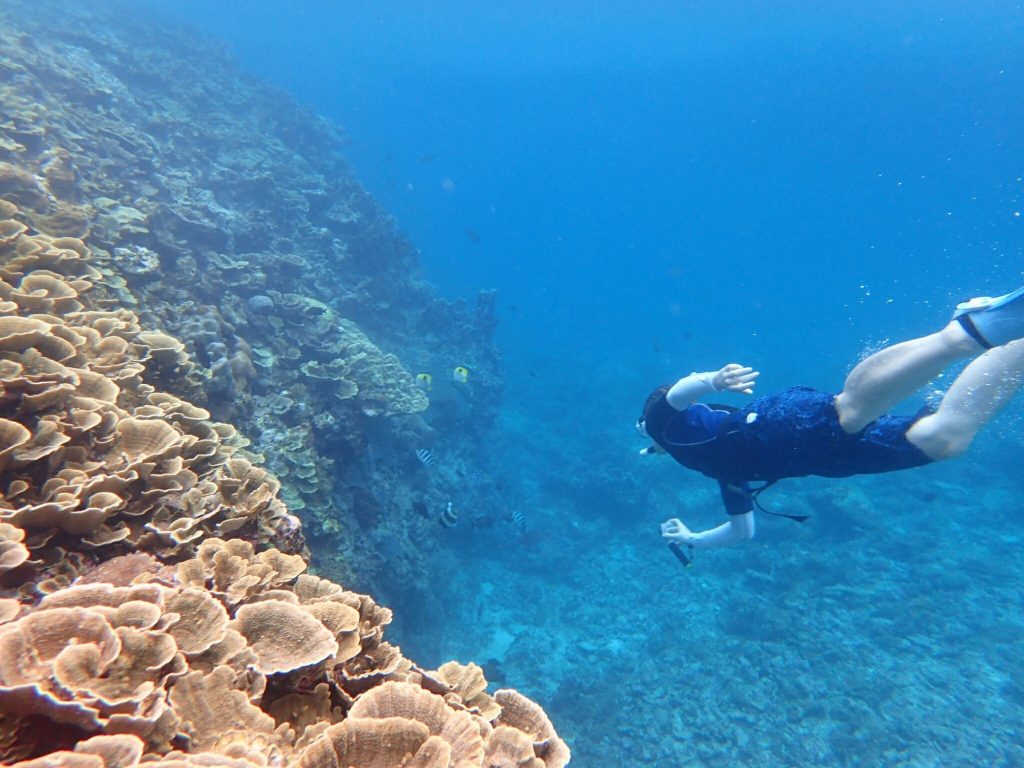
point(684, 557)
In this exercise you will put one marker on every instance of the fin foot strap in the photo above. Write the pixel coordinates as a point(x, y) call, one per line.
point(972, 330)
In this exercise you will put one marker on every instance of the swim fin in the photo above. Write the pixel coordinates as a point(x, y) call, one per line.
point(993, 321)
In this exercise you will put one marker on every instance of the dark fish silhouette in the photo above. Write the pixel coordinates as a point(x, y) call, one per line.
point(493, 671)
point(427, 158)
point(472, 234)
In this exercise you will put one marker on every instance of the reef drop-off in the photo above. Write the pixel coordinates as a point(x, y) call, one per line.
point(168, 236)
point(225, 215)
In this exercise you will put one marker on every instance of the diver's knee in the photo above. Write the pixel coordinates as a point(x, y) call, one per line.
point(938, 440)
point(851, 419)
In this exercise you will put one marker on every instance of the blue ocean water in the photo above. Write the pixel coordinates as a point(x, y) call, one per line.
point(669, 187)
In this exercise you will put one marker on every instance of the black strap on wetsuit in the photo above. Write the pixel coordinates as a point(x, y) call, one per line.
point(753, 494)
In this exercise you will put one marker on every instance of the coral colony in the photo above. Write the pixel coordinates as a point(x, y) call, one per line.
point(193, 387)
point(158, 601)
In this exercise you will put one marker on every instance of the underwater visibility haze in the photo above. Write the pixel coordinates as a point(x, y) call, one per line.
point(324, 327)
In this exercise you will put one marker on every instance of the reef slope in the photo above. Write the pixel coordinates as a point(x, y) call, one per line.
point(193, 286)
point(224, 214)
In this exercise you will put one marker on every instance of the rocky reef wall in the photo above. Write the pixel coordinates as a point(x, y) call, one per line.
point(223, 214)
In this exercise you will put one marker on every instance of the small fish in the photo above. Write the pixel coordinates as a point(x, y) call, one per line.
point(449, 517)
point(428, 158)
point(460, 375)
point(472, 234)
point(518, 519)
point(478, 477)
point(424, 381)
point(426, 457)
point(420, 508)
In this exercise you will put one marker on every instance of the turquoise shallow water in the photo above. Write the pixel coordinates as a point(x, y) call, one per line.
point(671, 189)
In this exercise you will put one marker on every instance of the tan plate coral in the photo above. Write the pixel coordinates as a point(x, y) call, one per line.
point(155, 605)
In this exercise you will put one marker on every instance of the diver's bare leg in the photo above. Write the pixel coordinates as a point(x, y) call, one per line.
point(978, 394)
point(892, 374)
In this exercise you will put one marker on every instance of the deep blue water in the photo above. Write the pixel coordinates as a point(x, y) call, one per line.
point(669, 187)
point(630, 171)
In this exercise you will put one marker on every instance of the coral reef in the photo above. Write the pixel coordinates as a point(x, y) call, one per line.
point(155, 605)
point(154, 602)
point(241, 657)
point(95, 458)
point(223, 213)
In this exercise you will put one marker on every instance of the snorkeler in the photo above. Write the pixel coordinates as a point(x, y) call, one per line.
point(800, 431)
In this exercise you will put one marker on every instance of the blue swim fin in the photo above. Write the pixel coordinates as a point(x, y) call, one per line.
point(993, 321)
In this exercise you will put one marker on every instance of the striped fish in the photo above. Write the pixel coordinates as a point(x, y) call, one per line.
point(426, 458)
point(518, 519)
point(449, 517)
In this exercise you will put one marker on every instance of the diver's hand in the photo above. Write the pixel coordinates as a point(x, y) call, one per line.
point(676, 530)
point(736, 378)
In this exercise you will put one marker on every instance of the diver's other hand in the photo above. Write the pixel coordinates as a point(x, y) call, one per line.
point(676, 530)
point(736, 378)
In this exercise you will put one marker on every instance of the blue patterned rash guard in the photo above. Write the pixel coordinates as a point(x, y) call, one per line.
point(792, 433)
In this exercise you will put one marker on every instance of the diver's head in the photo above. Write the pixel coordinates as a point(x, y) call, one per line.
point(653, 417)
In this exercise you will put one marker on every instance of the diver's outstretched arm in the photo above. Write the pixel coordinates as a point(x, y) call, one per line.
point(740, 528)
point(730, 378)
